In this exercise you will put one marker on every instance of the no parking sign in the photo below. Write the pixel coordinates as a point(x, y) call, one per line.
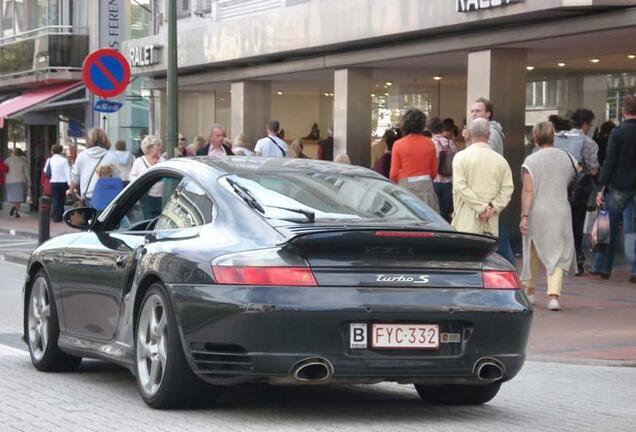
point(106, 72)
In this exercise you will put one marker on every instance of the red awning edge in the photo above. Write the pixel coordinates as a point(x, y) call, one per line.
point(31, 99)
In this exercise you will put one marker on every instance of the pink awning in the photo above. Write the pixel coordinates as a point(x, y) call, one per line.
point(31, 99)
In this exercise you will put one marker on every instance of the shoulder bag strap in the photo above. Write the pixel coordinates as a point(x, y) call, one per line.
point(279, 147)
point(88, 185)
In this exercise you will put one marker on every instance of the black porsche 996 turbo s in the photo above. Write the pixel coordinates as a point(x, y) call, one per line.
point(205, 272)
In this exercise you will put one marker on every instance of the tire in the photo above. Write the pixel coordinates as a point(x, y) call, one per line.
point(164, 377)
point(43, 330)
point(458, 394)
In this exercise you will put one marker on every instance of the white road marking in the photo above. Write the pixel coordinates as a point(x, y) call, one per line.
point(22, 243)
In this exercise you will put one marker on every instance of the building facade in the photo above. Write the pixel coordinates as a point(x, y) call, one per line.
point(357, 64)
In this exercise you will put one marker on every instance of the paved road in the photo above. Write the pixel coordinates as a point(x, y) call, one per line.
point(544, 397)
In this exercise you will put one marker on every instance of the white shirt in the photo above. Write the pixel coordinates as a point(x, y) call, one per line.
point(140, 166)
point(85, 166)
point(220, 152)
point(266, 147)
point(60, 169)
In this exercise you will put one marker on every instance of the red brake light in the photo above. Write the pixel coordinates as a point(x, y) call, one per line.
point(405, 234)
point(285, 276)
point(507, 280)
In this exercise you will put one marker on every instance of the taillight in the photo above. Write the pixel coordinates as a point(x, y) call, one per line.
point(505, 280)
point(405, 234)
point(263, 267)
point(286, 276)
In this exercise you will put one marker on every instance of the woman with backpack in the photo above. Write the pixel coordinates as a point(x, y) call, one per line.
point(445, 149)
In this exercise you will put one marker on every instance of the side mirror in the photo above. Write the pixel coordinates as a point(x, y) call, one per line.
point(82, 218)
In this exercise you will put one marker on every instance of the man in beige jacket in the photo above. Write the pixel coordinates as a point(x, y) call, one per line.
point(482, 183)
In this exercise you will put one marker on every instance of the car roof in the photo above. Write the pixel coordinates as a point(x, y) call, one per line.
point(260, 165)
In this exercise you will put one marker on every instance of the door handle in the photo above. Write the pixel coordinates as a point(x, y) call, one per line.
point(121, 261)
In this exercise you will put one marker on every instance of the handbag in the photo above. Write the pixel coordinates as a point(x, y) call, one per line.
point(47, 169)
point(600, 235)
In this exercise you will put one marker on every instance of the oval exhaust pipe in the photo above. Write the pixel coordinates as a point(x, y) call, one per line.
point(312, 370)
point(489, 370)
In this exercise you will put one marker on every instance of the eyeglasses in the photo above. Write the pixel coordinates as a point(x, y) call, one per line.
point(181, 139)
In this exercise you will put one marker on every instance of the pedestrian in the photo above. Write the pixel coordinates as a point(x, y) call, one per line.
point(180, 151)
point(297, 149)
point(60, 177)
point(72, 153)
point(215, 146)
point(383, 164)
point(445, 150)
point(619, 175)
point(413, 159)
point(240, 146)
point(106, 189)
point(18, 182)
point(195, 145)
point(484, 108)
point(271, 145)
point(482, 183)
point(585, 151)
point(546, 222)
point(325, 147)
point(559, 123)
point(83, 173)
point(3, 171)
point(152, 148)
point(125, 159)
point(601, 137)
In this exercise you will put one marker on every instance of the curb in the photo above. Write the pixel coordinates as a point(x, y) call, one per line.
point(17, 257)
point(582, 361)
point(18, 232)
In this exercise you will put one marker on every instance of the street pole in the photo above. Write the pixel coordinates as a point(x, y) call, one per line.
point(172, 84)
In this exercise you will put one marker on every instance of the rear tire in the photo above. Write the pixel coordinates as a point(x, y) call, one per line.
point(458, 394)
point(43, 330)
point(164, 377)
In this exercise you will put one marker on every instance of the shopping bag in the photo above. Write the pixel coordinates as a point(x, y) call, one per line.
point(601, 231)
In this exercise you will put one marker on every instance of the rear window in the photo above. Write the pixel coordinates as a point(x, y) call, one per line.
point(330, 197)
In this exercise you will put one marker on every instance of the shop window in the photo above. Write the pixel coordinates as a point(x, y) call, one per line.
point(619, 86)
point(542, 93)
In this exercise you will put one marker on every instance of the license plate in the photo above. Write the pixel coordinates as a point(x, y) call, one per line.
point(405, 336)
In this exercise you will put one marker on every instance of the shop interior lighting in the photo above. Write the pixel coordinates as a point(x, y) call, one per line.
point(389, 83)
point(326, 94)
point(279, 93)
point(595, 60)
point(372, 94)
point(386, 94)
point(561, 64)
point(530, 68)
point(437, 77)
point(631, 56)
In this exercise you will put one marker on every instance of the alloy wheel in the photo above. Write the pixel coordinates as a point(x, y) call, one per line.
point(39, 314)
point(152, 343)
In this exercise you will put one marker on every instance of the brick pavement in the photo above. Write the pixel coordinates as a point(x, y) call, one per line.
point(100, 397)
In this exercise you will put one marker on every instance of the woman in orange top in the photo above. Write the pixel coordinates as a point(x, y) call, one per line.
point(414, 159)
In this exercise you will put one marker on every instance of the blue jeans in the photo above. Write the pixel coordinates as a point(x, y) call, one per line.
point(444, 192)
point(616, 202)
point(504, 249)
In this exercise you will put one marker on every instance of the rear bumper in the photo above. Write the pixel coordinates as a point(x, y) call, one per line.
point(234, 334)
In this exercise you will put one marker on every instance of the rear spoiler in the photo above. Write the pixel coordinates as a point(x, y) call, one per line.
point(419, 241)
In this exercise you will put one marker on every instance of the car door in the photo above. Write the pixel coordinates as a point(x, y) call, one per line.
point(103, 262)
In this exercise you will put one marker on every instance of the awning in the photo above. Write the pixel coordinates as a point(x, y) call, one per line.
point(32, 99)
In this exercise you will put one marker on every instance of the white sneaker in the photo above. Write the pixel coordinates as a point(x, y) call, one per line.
point(554, 305)
point(530, 298)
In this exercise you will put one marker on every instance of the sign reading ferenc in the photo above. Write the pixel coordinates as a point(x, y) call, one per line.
point(143, 55)
point(476, 5)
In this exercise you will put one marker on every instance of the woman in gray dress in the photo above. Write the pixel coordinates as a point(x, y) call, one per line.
point(546, 221)
point(18, 181)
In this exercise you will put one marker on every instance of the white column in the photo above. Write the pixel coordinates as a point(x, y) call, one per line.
point(352, 114)
point(500, 75)
point(251, 106)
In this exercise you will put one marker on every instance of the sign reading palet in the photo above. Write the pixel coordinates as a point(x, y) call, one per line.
point(477, 5)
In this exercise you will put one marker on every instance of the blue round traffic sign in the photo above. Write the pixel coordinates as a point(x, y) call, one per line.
point(106, 72)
